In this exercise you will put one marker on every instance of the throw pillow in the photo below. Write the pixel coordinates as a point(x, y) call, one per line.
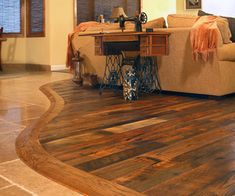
point(225, 32)
point(231, 22)
point(202, 13)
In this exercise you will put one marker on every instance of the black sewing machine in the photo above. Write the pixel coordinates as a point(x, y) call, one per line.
point(140, 19)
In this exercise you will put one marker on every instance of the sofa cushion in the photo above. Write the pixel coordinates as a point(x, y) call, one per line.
point(231, 22)
point(227, 52)
point(180, 20)
point(157, 23)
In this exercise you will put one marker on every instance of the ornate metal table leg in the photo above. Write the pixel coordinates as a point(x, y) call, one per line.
point(157, 76)
point(112, 74)
point(146, 68)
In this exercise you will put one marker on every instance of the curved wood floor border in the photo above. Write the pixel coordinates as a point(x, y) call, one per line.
point(34, 155)
point(160, 144)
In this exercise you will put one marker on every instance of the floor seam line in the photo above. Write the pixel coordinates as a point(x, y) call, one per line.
point(19, 186)
point(6, 187)
point(7, 162)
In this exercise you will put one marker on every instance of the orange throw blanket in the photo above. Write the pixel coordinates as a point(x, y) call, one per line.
point(204, 37)
point(70, 51)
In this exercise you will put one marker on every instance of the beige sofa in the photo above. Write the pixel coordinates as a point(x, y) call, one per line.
point(178, 72)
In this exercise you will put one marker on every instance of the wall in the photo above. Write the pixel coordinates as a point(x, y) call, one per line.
point(225, 8)
point(38, 48)
point(49, 50)
point(61, 23)
point(180, 8)
point(159, 8)
point(13, 51)
point(218, 7)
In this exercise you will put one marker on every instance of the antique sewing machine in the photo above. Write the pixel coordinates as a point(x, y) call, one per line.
point(140, 19)
point(140, 71)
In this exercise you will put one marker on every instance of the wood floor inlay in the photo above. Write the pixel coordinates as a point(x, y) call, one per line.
point(158, 145)
point(134, 125)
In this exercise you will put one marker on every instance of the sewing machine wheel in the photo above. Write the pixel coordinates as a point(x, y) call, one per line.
point(143, 17)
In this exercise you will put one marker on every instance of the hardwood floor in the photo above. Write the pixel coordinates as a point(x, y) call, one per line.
point(158, 145)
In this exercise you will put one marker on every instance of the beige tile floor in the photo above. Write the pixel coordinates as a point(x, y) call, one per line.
point(21, 103)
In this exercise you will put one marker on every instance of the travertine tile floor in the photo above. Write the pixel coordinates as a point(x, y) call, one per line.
point(21, 103)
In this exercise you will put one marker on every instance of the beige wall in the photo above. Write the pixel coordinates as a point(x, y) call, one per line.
point(49, 50)
point(159, 8)
point(61, 22)
point(180, 8)
point(38, 49)
point(218, 8)
point(13, 51)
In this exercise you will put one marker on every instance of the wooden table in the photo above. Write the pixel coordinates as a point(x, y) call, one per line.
point(1, 40)
point(148, 45)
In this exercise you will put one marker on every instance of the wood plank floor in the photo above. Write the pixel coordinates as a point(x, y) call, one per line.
point(158, 145)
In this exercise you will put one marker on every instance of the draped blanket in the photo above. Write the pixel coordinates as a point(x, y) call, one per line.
point(70, 51)
point(204, 37)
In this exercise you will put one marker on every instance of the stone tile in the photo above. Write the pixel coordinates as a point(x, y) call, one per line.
point(19, 173)
point(24, 89)
point(8, 134)
point(7, 146)
point(7, 127)
point(22, 114)
point(21, 105)
point(14, 191)
point(36, 98)
point(3, 183)
point(7, 103)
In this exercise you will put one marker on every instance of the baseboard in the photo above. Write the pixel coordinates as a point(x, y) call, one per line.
point(8, 67)
point(38, 67)
point(12, 67)
point(58, 67)
point(32, 67)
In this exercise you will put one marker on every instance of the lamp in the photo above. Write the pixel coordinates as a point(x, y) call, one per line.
point(118, 11)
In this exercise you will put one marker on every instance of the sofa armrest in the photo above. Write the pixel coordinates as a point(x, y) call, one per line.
point(183, 35)
point(179, 72)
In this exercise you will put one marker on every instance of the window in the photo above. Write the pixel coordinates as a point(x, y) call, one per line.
point(12, 14)
point(35, 18)
point(86, 10)
point(11, 17)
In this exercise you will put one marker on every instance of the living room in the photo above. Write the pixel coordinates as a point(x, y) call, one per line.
point(117, 98)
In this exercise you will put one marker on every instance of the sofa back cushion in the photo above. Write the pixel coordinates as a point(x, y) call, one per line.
point(231, 22)
point(181, 20)
point(156, 23)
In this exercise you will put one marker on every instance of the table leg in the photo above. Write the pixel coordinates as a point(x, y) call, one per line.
point(112, 74)
point(147, 71)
